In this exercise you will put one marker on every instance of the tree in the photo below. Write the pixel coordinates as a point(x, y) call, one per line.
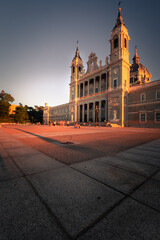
point(5, 101)
point(35, 114)
point(21, 114)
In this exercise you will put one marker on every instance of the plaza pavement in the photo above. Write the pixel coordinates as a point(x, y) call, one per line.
point(109, 197)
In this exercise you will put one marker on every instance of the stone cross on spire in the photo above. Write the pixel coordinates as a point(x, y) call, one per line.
point(136, 57)
point(119, 4)
point(136, 49)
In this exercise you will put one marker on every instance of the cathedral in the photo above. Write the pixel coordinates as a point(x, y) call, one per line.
point(118, 92)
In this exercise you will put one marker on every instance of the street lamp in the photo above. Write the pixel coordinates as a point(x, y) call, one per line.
point(97, 111)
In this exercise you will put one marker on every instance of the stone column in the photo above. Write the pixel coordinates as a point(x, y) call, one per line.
point(88, 87)
point(78, 114)
point(94, 85)
point(87, 112)
point(94, 117)
point(83, 113)
point(110, 80)
point(100, 111)
point(106, 108)
point(83, 88)
point(100, 84)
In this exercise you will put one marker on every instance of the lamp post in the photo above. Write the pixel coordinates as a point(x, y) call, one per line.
point(97, 111)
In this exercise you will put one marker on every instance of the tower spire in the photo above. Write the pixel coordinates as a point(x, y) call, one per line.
point(119, 18)
point(136, 57)
point(77, 52)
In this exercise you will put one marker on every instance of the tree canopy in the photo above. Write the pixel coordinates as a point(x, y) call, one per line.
point(35, 114)
point(5, 101)
point(21, 114)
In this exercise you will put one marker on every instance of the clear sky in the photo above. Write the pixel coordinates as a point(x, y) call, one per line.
point(38, 42)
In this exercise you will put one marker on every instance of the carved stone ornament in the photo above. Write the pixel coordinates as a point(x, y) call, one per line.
point(115, 71)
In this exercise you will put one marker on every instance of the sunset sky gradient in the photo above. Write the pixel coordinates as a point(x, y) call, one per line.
point(38, 41)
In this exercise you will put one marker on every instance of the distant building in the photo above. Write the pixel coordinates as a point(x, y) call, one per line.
point(117, 92)
point(56, 114)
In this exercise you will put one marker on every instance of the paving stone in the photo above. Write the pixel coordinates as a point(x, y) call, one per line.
point(21, 151)
point(154, 143)
point(119, 179)
point(75, 199)
point(135, 167)
point(157, 176)
point(36, 163)
point(129, 221)
point(149, 193)
point(6, 139)
point(3, 152)
point(8, 169)
point(23, 216)
point(143, 152)
point(14, 144)
point(149, 148)
point(139, 158)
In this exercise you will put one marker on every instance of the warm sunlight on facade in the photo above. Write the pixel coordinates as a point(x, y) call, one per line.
point(103, 93)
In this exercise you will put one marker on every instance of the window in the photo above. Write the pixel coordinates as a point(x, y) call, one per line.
point(125, 43)
point(80, 69)
point(73, 69)
point(116, 42)
point(157, 117)
point(72, 93)
point(142, 117)
point(143, 97)
point(115, 83)
point(158, 94)
point(131, 80)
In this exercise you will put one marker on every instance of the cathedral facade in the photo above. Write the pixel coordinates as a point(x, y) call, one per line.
point(117, 92)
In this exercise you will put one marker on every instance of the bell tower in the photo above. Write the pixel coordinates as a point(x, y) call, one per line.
point(76, 73)
point(119, 49)
point(119, 71)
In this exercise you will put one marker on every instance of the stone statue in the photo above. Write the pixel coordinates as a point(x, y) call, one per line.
point(114, 115)
point(100, 63)
point(107, 60)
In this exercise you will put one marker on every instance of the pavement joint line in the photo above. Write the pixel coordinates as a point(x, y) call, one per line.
point(127, 195)
point(99, 181)
point(50, 212)
point(97, 219)
point(44, 171)
point(146, 180)
point(149, 164)
point(121, 168)
point(42, 200)
point(103, 215)
point(117, 204)
point(141, 154)
point(10, 180)
point(145, 204)
point(141, 147)
point(24, 174)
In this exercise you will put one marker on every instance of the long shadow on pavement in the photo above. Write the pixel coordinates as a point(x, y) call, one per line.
point(73, 146)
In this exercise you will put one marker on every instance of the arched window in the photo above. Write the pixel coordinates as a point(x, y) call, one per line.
point(73, 69)
point(125, 43)
point(80, 69)
point(115, 41)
